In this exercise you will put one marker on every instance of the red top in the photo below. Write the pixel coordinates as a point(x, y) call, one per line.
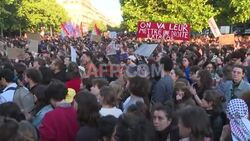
point(74, 84)
point(59, 125)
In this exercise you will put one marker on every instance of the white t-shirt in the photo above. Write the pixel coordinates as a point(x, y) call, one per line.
point(110, 111)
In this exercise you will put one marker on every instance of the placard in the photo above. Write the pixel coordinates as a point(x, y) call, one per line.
point(33, 36)
point(146, 49)
point(214, 28)
point(163, 31)
point(226, 39)
point(111, 48)
point(16, 53)
point(33, 46)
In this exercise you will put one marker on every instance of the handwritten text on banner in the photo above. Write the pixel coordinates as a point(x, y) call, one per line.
point(166, 31)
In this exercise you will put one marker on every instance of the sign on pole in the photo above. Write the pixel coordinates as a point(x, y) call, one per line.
point(165, 31)
point(214, 28)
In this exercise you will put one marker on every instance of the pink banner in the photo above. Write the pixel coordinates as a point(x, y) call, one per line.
point(166, 31)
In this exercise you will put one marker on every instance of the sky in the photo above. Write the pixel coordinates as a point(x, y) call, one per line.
point(110, 8)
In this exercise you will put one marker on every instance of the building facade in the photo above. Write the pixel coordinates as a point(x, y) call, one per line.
point(82, 11)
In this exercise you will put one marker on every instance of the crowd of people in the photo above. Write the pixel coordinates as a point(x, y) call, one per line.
point(184, 91)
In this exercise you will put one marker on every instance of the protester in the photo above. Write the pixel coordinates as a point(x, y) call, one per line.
point(237, 112)
point(33, 77)
point(205, 82)
point(97, 84)
point(107, 128)
point(58, 69)
point(8, 129)
point(40, 64)
point(11, 110)
point(27, 131)
point(186, 63)
point(182, 95)
point(73, 77)
point(163, 120)
point(109, 102)
point(194, 124)
point(88, 116)
point(42, 106)
point(139, 88)
point(7, 80)
point(139, 82)
point(177, 74)
point(163, 90)
point(246, 97)
point(133, 127)
point(212, 103)
point(237, 86)
point(211, 67)
point(59, 124)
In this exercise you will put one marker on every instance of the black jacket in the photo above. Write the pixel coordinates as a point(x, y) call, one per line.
point(217, 120)
point(87, 133)
point(171, 132)
point(61, 76)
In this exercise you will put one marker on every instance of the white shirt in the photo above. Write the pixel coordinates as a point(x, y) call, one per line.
point(110, 111)
point(7, 95)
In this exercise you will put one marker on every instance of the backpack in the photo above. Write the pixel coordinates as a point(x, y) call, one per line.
point(24, 99)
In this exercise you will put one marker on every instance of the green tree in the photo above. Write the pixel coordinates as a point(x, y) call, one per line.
point(233, 11)
point(194, 12)
point(8, 15)
point(39, 13)
point(242, 11)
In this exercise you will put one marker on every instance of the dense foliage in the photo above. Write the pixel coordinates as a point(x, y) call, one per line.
point(194, 12)
point(31, 14)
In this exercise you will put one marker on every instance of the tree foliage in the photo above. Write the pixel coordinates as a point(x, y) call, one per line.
point(8, 14)
point(39, 13)
point(194, 12)
point(233, 11)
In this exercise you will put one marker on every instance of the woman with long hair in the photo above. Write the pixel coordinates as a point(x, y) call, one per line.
point(87, 115)
point(212, 103)
point(194, 124)
point(205, 82)
point(42, 105)
point(182, 95)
